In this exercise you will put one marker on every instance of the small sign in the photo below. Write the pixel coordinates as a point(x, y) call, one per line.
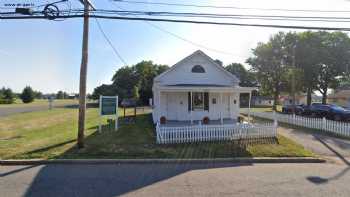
point(108, 106)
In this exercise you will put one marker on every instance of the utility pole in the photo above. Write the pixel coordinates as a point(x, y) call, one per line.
point(293, 80)
point(83, 74)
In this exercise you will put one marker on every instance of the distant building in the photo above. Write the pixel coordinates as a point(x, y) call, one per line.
point(299, 99)
point(341, 96)
point(260, 101)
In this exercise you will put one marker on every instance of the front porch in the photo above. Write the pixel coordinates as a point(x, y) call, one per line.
point(181, 111)
point(190, 104)
point(177, 123)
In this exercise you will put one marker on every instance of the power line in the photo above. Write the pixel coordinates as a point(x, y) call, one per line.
point(182, 38)
point(167, 13)
point(189, 41)
point(185, 21)
point(206, 15)
point(230, 16)
point(109, 42)
point(230, 7)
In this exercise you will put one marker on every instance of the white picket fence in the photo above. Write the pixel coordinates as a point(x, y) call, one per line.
point(202, 133)
point(335, 127)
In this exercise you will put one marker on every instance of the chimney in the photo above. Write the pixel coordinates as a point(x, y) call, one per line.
point(219, 62)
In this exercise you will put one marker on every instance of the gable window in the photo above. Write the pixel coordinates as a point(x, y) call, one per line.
point(198, 69)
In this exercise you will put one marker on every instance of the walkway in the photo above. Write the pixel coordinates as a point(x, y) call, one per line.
point(319, 143)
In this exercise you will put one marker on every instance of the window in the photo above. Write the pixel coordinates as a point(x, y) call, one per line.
point(198, 69)
point(198, 101)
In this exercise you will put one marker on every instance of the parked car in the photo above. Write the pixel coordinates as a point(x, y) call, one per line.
point(338, 113)
point(330, 111)
point(288, 109)
point(316, 110)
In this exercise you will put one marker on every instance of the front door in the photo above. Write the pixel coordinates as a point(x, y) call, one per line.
point(226, 105)
point(172, 106)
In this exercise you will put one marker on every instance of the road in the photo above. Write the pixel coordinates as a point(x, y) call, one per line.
point(224, 179)
point(41, 106)
point(5, 111)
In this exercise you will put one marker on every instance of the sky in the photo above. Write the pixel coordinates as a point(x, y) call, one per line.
point(47, 54)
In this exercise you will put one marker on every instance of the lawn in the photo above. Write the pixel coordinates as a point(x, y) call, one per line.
point(52, 134)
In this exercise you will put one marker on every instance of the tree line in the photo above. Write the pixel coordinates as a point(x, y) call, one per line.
point(7, 96)
point(306, 62)
point(28, 95)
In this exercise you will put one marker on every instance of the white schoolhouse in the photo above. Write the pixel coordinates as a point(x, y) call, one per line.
point(196, 90)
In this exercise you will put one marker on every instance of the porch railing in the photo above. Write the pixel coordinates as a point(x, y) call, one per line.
point(202, 133)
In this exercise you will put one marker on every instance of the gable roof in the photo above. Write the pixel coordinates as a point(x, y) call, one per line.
point(198, 52)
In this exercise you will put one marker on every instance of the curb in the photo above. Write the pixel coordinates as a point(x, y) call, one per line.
point(165, 161)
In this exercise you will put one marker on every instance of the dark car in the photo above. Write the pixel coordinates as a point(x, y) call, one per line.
point(316, 110)
point(338, 113)
point(329, 111)
point(288, 109)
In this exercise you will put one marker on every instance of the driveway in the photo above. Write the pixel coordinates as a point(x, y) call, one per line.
point(320, 143)
point(221, 179)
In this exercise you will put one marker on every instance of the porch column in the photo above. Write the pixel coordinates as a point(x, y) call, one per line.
point(250, 98)
point(191, 107)
point(221, 109)
point(230, 105)
point(160, 106)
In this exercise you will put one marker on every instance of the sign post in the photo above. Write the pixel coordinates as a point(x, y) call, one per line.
point(50, 102)
point(108, 107)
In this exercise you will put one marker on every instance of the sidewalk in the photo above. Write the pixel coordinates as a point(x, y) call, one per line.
point(321, 144)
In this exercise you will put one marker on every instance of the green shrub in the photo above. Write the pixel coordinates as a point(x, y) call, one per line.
point(27, 95)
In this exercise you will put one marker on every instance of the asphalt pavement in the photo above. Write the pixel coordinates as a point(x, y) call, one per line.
point(5, 111)
point(220, 179)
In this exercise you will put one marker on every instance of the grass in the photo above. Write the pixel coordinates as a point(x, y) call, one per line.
point(52, 134)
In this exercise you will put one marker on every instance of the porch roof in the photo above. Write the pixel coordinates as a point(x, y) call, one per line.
point(204, 88)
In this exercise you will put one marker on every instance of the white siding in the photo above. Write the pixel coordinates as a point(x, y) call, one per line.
point(174, 106)
point(181, 74)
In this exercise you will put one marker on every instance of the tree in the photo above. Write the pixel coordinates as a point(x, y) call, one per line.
point(103, 90)
point(38, 94)
point(135, 93)
point(307, 57)
point(140, 75)
point(7, 96)
point(247, 79)
point(334, 61)
point(60, 95)
point(268, 63)
point(124, 81)
point(146, 71)
point(27, 95)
